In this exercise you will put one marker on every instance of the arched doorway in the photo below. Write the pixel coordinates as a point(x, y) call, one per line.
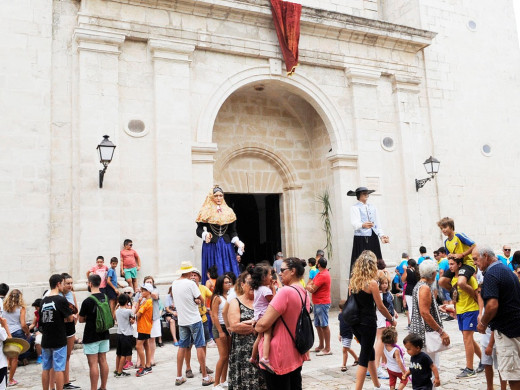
point(272, 142)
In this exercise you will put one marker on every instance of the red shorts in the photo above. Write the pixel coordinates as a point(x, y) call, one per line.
point(393, 378)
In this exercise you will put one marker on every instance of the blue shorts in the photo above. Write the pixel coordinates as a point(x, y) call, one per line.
point(96, 347)
point(55, 358)
point(468, 320)
point(321, 315)
point(189, 333)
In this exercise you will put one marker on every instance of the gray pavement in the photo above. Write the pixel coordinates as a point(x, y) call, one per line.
point(322, 372)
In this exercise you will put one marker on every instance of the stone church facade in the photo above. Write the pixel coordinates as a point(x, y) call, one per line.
point(194, 93)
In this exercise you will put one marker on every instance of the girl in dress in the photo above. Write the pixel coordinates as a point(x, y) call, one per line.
point(264, 291)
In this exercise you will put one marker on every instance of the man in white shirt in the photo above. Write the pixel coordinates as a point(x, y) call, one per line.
point(187, 297)
point(367, 228)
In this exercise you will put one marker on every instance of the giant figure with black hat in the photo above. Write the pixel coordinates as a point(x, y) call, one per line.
point(367, 229)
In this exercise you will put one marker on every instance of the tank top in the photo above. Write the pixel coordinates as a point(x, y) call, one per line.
point(220, 308)
point(391, 363)
point(367, 308)
point(13, 319)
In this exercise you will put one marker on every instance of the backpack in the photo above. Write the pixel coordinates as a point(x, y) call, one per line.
point(304, 335)
point(104, 319)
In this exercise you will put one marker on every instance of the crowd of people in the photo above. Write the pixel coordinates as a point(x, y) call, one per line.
point(463, 282)
point(255, 315)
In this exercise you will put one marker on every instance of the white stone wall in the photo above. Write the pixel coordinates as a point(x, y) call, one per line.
point(25, 164)
point(71, 77)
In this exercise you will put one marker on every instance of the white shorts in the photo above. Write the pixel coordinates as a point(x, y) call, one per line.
point(508, 356)
point(156, 329)
point(346, 342)
point(38, 339)
point(409, 304)
point(381, 320)
point(484, 342)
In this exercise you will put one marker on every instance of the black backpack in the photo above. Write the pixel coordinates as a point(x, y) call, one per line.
point(304, 335)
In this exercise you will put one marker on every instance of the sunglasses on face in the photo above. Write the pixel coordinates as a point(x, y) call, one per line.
point(507, 250)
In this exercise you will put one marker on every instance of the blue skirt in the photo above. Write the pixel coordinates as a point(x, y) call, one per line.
point(222, 255)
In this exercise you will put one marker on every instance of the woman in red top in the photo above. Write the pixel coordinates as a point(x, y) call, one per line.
point(285, 359)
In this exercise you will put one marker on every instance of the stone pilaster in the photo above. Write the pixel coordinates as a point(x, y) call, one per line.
point(203, 162)
point(96, 212)
point(344, 171)
point(175, 217)
point(406, 93)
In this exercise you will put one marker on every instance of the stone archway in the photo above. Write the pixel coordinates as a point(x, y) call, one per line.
point(297, 84)
point(274, 174)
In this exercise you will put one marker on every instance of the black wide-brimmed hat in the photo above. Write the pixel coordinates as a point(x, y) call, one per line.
point(358, 190)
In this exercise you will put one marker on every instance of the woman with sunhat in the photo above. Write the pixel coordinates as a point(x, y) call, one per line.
point(216, 225)
point(367, 228)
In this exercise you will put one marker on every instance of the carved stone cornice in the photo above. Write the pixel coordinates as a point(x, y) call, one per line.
point(406, 84)
point(363, 76)
point(314, 22)
point(343, 161)
point(203, 153)
point(171, 50)
point(98, 40)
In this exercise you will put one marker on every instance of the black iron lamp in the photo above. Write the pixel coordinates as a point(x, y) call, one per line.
point(432, 168)
point(106, 152)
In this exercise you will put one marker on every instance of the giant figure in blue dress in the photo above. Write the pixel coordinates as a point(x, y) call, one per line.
point(216, 225)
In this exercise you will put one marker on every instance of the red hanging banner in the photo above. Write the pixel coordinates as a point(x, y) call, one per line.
point(286, 17)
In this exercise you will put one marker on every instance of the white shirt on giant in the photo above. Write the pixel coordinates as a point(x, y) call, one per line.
point(184, 292)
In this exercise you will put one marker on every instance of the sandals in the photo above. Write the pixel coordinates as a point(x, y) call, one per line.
point(266, 366)
point(343, 368)
point(355, 363)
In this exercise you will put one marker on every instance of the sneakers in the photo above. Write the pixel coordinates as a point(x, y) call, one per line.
point(128, 365)
point(466, 373)
point(381, 374)
point(224, 384)
point(189, 374)
point(121, 374)
point(70, 386)
point(14, 382)
point(141, 372)
point(211, 344)
point(148, 370)
point(179, 382)
point(207, 382)
point(480, 368)
point(382, 387)
point(39, 360)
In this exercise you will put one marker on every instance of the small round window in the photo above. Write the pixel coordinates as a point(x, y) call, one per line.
point(472, 25)
point(387, 143)
point(486, 150)
point(136, 128)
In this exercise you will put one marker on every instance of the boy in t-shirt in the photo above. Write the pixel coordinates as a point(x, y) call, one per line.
point(130, 264)
point(458, 246)
point(125, 335)
point(111, 289)
point(421, 365)
point(102, 270)
point(144, 328)
point(54, 312)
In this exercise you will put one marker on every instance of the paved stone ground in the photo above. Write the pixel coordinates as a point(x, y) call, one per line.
point(322, 372)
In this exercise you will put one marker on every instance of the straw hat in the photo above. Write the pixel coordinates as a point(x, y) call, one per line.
point(186, 268)
point(15, 346)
